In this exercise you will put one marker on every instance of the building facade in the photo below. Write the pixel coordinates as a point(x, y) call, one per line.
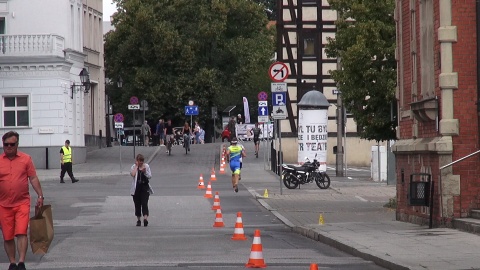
point(437, 93)
point(44, 45)
point(303, 27)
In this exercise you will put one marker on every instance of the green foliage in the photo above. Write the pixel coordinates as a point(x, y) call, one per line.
point(168, 52)
point(365, 43)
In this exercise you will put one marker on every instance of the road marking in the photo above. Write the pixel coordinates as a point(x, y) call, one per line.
point(361, 199)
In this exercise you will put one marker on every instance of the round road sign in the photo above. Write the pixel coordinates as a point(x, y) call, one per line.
point(118, 117)
point(278, 72)
point(262, 96)
point(133, 100)
point(190, 103)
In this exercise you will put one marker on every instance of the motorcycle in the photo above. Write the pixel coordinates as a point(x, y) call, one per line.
point(295, 175)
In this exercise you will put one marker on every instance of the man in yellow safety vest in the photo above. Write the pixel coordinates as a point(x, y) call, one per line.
point(66, 161)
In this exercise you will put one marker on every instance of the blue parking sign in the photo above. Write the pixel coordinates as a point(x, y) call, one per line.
point(279, 98)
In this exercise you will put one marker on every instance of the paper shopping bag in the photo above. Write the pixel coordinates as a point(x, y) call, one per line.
point(41, 229)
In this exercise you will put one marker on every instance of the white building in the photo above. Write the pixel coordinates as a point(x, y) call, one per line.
point(44, 45)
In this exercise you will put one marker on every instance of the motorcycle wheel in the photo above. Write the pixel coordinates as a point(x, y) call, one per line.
point(322, 180)
point(289, 181)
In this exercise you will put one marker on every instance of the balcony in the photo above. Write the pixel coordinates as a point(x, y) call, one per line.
point(32, 45)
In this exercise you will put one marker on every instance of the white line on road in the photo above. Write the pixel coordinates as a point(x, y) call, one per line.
point(361, 199)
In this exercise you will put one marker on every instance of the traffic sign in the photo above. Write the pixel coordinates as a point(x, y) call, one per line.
point(262, 119)
point(278, 87)
point(133, 100)
point(262, 96)
point(262, 103)
point(279, 98)
point(279, 112)
point(191, 110)
point(118, 124)
point(118, 117)
point(134, 106)
point(278, 72)
point(262, 111)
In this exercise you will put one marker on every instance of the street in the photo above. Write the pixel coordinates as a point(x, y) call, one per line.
point(95, 224)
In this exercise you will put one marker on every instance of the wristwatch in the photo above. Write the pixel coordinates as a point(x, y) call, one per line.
point(41, 197)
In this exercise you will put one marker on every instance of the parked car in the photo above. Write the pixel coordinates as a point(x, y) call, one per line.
point(226, 135)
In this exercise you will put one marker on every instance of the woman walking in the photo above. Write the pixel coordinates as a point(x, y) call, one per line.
point(141, 188)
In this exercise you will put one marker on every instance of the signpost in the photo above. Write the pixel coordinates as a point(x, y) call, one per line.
point(118, 118)
point(263, 111)
point(278, 72)
point(191, 110)
point(134, 106)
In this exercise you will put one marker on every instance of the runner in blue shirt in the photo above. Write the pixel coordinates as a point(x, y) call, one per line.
point(234, 153)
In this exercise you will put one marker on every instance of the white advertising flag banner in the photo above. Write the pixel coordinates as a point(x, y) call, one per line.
point(246, 111)
point(312, 136)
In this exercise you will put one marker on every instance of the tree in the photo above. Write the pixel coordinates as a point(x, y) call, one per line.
point(365, 43)
point(169, 52)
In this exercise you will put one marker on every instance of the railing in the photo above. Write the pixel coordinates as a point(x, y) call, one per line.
point(32, 45)
point(440, 177)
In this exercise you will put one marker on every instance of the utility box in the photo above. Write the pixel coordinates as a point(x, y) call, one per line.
point(376, 174)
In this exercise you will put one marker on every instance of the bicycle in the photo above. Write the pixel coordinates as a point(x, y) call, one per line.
point(186, 143)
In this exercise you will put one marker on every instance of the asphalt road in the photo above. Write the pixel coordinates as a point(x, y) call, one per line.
point(95, 224)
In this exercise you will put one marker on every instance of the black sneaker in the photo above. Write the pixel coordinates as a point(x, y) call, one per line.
point(139, 223)
point(145, 223)
point(61, 181)
point(75, 180)
point(21, 266)
point(236, 189)
point(13, 266)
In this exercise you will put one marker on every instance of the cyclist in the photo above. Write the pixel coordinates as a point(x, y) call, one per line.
point(234, 152)
point(186, 136)
point(169, 136)
point(256, 138)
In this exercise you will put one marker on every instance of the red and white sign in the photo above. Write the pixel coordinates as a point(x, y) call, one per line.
point(278, 72)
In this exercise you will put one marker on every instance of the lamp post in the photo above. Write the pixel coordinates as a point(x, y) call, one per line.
point(85, 86)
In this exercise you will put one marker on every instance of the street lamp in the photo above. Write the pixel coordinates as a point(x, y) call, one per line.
point(85, 86)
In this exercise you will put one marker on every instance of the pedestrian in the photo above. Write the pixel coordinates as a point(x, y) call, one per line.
point(241, 161)
point(232, 127)
point(201, 136)
point(196, 131)
point(160, 132)
point(141, 188)
point(66, 161)
point(16, 169)
point(239, 119)
point(256, 138)
point(146, 132)
point(234, 153)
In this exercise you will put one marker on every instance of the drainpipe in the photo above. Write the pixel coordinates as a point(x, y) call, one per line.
point(477, 11)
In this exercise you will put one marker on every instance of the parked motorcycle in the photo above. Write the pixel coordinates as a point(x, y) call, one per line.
point(295, 175)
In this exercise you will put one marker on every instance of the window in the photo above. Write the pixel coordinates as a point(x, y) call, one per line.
point(309, 1)
point(2, 25)
point(309, 45)
point(15, 111)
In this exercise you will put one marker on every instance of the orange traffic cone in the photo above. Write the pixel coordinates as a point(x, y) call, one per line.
point(218, 219)
point(238, 233)
point(216, 202)
point(256, 254)
point(201, 184)
point(222, 168)
point(208, 193)
point(212, 175)
point(313, 266)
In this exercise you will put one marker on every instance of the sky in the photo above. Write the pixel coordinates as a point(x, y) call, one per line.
point(108, 9)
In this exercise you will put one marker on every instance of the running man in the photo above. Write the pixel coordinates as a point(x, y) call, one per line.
point(234, 153)
point(256, 138)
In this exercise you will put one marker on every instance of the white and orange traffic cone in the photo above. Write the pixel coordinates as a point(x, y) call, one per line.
point(208, 193)
point(218, 219)
point(238, 233)
point(201, 184)
point(212, 175)
point(216, 202)
point(222, 168)
point(313, 266)
point(256, 254)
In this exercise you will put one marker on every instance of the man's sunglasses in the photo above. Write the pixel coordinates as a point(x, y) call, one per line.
point(9, 144)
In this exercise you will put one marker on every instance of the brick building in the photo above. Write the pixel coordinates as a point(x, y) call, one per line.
point(438, 113)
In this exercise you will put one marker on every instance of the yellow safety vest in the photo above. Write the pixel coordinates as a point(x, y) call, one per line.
point(67, 154)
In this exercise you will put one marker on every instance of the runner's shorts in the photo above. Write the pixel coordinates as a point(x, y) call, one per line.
point(14, 220)
point(235, 167)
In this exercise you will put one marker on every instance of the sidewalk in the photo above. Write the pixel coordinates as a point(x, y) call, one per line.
point(356, 222)
point(116, 160)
